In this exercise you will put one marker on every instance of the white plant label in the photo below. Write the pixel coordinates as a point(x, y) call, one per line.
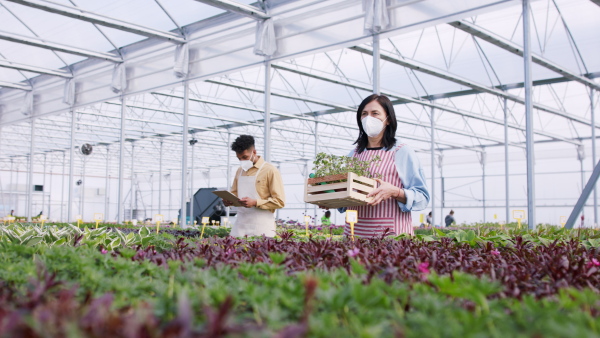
point(158, 218)
point(563, 220)
point(43, 218)
point(351, 216)
point(205, 220)
point(306, 219)
point(518, 214)
point(78, 217)
point(98, 217)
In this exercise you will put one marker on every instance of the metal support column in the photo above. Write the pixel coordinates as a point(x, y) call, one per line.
point(160, 178)
point(184, 145)
point(482, 160)
point(267, 114)
point(71, 169)
point(581, 157)
point(132, 193)
point(62, 190)
point(593, 114)
point(506, 178)
point(316, 152)
point(107, 184)
point(49, 191)
point(442, 186)
point(228, 209)
point(82, 191)
point(528, 117)
point(44, 185)
point(376, 67)
point(12, 185)
point(30, 173)
point(120, 211)
point(192, 182)
point(431, 117)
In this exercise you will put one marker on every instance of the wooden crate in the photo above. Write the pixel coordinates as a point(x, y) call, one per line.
point(350, 193)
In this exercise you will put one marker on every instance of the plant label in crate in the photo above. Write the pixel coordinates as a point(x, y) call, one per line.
point(158, 218)
point(518, 214)
point(351, 216)
point(98, 217)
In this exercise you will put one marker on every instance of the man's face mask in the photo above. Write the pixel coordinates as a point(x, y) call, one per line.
point(247, 164)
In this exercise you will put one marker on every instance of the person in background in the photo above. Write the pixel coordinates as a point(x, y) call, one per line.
point(428, 220)
point(12, 213)
point(259, 186)
point(326, 219)
point(450, 218)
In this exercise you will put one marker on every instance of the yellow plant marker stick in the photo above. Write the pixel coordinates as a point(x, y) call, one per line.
point(202, 232)
point(97, 221)
point(43, 221)
point(157, 226)
point(352, 217)
point(204, 221)
point(306, 221)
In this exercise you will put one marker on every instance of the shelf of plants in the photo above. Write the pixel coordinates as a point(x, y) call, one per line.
point(61, 280)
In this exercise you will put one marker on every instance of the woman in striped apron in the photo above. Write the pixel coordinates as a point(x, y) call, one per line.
point(401, 179)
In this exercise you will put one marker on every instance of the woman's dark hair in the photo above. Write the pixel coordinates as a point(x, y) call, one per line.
point(327, 213)
point(389, 137)
point(242, 143)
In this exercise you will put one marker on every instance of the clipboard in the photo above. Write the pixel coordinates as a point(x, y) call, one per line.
point(226, 195)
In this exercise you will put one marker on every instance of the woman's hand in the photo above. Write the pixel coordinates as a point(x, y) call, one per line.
point(385, 191)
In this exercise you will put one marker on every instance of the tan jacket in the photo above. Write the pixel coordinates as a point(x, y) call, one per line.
point(269, 185)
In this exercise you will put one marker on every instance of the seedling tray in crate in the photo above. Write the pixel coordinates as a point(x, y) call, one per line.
point(330, 193)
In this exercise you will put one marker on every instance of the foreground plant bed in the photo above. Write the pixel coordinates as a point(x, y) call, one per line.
point(101, 295)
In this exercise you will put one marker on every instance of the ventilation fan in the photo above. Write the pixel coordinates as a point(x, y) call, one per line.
point(86, 149)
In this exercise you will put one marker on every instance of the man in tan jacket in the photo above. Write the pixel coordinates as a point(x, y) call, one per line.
point(259, 186)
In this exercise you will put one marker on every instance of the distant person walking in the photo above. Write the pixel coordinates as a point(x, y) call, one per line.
point(450, 218)
point(326, 219)
point(429, 220)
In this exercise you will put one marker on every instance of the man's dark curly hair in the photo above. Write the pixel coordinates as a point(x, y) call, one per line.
point(242, 143)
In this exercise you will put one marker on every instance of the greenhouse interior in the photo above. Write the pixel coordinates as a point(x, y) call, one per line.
point(119, 119)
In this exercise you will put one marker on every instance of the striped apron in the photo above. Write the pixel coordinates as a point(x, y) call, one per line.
point(373, 220)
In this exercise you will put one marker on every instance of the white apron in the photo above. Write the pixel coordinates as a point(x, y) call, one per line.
point(252, 221)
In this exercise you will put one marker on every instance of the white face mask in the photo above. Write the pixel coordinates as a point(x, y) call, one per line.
point(247, 164)
point(372, 126)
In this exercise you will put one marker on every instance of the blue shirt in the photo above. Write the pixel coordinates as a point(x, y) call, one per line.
point(413, 178)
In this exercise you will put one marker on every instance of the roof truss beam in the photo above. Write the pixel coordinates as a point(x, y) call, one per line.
point(34, 69)
point(238, 8)
point(518, 50)
point(35, 42)
point(14, 85)
point(468, 83)
point(80, 14)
